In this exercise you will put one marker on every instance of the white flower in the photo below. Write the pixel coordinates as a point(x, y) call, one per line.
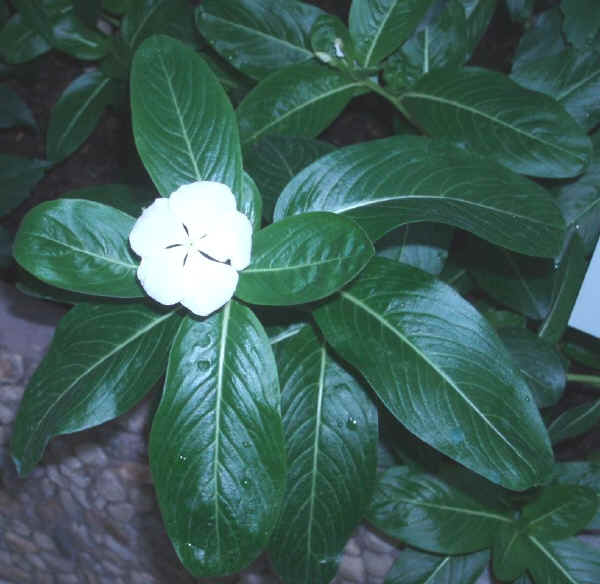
point(192, 246)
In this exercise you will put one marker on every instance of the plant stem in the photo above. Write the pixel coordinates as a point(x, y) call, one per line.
point(589, 379)
point(396, 100)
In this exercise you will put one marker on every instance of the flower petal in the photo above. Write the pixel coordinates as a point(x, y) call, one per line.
point(229, 239)
point(162, 275)
point(155, 229)
point(198, 205)
point(209, 285)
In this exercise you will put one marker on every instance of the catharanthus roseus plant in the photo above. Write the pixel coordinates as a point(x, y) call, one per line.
point(297, 364)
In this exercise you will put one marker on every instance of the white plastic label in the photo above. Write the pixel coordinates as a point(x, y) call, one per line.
point(586, 313)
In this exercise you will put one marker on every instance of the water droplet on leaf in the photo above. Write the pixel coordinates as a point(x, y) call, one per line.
point(351, 423)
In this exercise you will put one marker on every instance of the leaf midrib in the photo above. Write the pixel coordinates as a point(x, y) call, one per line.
point(91, 368)
point(299, 266)
point(441, 373)
point(552, 559)
point(300, 107)
point(377, 35)
point(577, 419)
point(517, 130)
point(458, 510)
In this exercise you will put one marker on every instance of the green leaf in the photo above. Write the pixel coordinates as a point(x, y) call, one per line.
point(414, 567)
point(145, 18)
point(102, 361)
point(442, 42)
point(15, 111)
point(184, 126)
point(330, 429)
point(79, 245)
point(18, 177)
point(301, 100)
point(539, 362)
point(581, 22)
point(575, 421)
point(129, 199)
point(570, 77)
point(116, 6)
point(525, 131)
point(258, 36)
point(520, 282)
point(457, 276)
point(379, 27)
point(274, 160)
point(579, 201)
point(383, 184)
point(582, 348)
point(77, 112)
point(520, 10)
point(249, 201)
point(426, 512)
point(57, 23)
point(302, 259)
point(88, 11)
point(569, 561)
point(567, 278)
point(584, 474)
point(479, 15)
point(216, 447)
point(429, 355)
point(20, 43)
point(421, 245)
point(513, 552)
point(543, 39)
point(560, 511)
point(499, 319)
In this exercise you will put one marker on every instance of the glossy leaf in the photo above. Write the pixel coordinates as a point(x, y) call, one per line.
point(579, 201)
point(216, 447)
point(525, 131)
point(302, 259)
point(127, 198)
point(443, 42)
point(102, 361)
point(428, 513)
point(18, 177)
point(415, 567)
point(575, 421)
point(77, 112)
point(539, 363)
point(570, 77)
point(57, 23)
point(429, 355)
point(584, 474)
point(301, 100)
point(406, 179)
point(274, 160)
point(498, 318)
point(567, 281)
point(81, 246)
point(258, 36)
point(249, 201)
point(543, 39)
point(421, 245)
point(184, 126)
point(523, 283)
point(145, 18)
point(332, 43)
point(19, 42)
point(581, 23)
point(582, 348)
point(330, 429)
point(379, 27)
point(457, 276)
point(479, 14)
point(570, 561)
point(559, 512)
point(15, 112)
point(513, 552)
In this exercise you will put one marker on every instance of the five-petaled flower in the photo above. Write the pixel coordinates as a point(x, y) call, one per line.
point(192, 246)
